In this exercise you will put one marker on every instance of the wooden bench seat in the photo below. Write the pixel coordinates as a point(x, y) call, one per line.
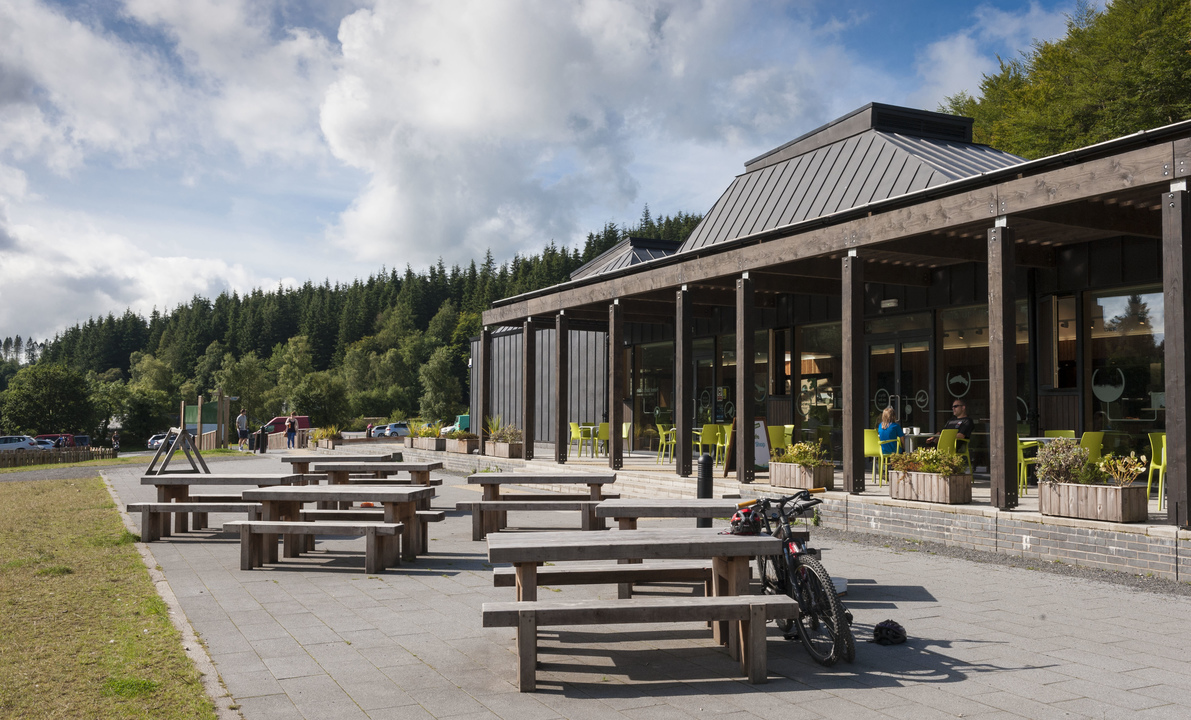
point(608, 573)
point(753, 612)
point(424, 517)
point(478, 508)
point(381, 547)
point(154, 515)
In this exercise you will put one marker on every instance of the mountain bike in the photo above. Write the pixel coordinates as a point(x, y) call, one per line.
point(823, 625)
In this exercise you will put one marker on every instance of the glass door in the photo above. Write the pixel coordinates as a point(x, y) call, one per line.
point(899, 376)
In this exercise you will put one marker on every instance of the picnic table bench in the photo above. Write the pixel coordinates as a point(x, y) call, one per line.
point(733, 618)
point(176, 488)
point(489, 514)
point(338, 471)
point(400, 505)
point(301, 463)
point(380, 547)
point(151, 513)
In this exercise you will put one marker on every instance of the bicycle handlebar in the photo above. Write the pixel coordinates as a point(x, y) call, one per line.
point(811, 491)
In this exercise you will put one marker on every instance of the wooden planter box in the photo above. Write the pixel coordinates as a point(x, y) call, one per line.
point(503, 450)
point(463, 447)
point(930, 487)
point(1094, 502)
point(430, 443)
point(789, 475)
point(326, 444)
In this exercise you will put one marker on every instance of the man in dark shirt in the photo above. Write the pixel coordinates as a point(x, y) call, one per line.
point(961, 422)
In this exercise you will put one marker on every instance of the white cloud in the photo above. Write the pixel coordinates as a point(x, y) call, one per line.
point(959, 61)
point(499, 125)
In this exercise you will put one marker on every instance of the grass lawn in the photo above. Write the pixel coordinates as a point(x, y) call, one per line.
point(83, 633)
point(179, 458)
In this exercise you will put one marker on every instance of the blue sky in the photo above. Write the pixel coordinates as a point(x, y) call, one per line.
point(151, 150)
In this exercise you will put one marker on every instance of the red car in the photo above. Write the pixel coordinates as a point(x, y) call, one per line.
point(67, 439)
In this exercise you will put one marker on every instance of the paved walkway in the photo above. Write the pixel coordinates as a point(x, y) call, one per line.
point(317, 638)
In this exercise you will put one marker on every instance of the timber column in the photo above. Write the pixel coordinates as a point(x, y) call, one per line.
point(1002, 365)
point(1176, 269)
point(484, 373)
point(684, 381)
point(615, 386)
point(852, 327)
point(745, 369)
point(562, 388)
point(529, 376)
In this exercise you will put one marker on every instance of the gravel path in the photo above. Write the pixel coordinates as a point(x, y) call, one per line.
point(49, 472)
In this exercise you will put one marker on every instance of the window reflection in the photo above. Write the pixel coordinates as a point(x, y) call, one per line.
point(1128, 372)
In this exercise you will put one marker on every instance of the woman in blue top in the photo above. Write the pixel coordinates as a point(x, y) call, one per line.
point(889, 432)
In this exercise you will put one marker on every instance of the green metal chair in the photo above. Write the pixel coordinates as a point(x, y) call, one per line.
point(707, 437)
point(1060, 433)
point(667, 441)
point(579, 434)
point(872, 449)
point(721, 444)
point(1093, 441)
point(777, 440)
point(1023, 464)
point(601, 438)
point(1158, 465)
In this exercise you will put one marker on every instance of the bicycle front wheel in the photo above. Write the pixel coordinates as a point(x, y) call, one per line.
point(771, 569)
point(821, 621)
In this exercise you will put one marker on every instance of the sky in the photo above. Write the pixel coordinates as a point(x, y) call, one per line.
point(153, 150)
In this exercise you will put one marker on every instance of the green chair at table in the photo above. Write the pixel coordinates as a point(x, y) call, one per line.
point(626, 434)
point(777, 440)
point(708, 437)
point(1093, 441)
point(789, 431)
point(667, 441)
point(721, 444)
point(872, 449)
point(579, 434)
point(823, 435)
point(1059, 434)
point(949, 442)
point(1023, 464)
point(1158, 465)
point(601, 438)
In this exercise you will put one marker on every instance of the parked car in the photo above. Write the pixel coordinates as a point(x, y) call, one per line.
point(462, 422)
point(82, 440)
point(277, 424)
point(67, 439)
point(17, 442)
point(397, 429)
point(156, 440)
point(45, 444)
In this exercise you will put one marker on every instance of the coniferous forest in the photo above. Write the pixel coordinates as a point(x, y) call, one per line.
point(394, 345)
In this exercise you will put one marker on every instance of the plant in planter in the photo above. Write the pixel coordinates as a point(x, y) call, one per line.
point(428, 437)
point(462, 441)
point(504, 440)
point(929, 475)
point(1070, 486)
point(803, 465)
point(326, 437)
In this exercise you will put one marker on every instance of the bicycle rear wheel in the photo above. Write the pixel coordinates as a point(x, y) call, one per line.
point(821, 621)
point(774, 582)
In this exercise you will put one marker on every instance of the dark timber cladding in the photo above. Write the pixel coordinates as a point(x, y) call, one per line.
point(1176, 268)
point(684, 379)
point(853, 373)
point(529, 364)
point(616, 385)
point(1002, 395)
point(562, 362)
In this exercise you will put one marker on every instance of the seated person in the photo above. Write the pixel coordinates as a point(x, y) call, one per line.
point(889, 432)
point(959, 422)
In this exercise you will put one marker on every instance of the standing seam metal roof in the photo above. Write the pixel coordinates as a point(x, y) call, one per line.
point(626, 253)
point(864, 168)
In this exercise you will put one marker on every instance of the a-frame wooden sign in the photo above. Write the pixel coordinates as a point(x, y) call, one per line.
point(183, 441)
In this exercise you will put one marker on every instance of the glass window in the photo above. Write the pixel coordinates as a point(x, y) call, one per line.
point(705, 389)
point(1128, 370)
point(964, 370)
point(653, 393)
point(819, 401)
point(897, 323)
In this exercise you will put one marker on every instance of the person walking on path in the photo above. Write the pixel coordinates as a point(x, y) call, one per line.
point(242, 428)
point(291, 429)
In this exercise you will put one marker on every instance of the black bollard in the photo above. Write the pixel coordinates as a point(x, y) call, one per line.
point(262, 440)
point(703, 486)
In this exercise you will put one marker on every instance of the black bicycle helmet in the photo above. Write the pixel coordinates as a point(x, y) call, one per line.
point(889, 632)
point(745, 522)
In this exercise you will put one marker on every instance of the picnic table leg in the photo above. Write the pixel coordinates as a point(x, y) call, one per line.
point(491, 517)
point(597, 494)
point(301, 467)
point(734, 581)
point(406, 514)
point(527, 581)
point(624, 591)
point(172, 493)
point(271, 512)
point(419, 477)
point(754, 660)
point(392, 542)
point(293, 544)
point(527, 650)
point(477, 523)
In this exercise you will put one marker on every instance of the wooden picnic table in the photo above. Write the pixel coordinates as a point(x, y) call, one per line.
point(491, 482)
point(400, 503)
point(338, 471)
point(626, 511)
point(301, 463)
point(176, 488)
point(730, 555)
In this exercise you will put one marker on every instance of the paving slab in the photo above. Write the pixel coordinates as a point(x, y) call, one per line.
point(316, 637)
